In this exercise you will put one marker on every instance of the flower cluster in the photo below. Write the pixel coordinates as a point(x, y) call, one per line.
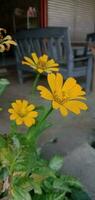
point(63, 96)
point(5, 41)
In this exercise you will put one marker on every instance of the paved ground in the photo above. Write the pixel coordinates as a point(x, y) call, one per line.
point(74, 135)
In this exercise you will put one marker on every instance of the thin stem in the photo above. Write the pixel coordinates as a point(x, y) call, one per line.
point(35, 83)
point(47, 114)
point(34, 136)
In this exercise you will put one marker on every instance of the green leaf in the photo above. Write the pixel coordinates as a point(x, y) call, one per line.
point(16, 142)
point(79, 195)
point(61, 185)
point(71, 182)
point(37, 187)
point(2, 141)
point(3, 85)
point(56, 163)
point(20, 194)
point(3, 173)
point(44, 171)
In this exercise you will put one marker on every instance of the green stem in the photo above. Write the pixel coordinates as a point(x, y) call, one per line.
point(14, 162)
point(35, 83)
point(33, 136)
point(60, 197)
point(47, 114)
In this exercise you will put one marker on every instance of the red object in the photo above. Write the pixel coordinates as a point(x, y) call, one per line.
point(43, 13)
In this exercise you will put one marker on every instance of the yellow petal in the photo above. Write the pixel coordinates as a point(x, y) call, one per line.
point(10, 110)
point(10, 42)
point(40, 70)
point(24, 103)
point(26, 63)
point(55, 65)
point(51, 81)
point(2, 48)
point(30, 107)
point(45, 93)
point(79, 97)
point(4, 30)
point(59, 81)
point(17, 106)
point(69, 84)
point(55, 105)
point(29, 122)
point(76, 91)
point(29, 60)
point(19, 121)
point(63, 111)
point(51, 63)
point(13, 116)
point(44, 58)
point(35, 58)
point(32, 114)
point(19, 102)
point(75, 106)
point(14, 105)
point(8, 37)
point(50, 70)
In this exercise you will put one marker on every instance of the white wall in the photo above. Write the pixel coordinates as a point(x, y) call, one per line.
point(78, 15)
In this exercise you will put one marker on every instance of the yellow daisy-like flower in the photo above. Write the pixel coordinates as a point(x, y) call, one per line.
point(41, 64)
point(5, 41)
point(23, 113)
point(65, 97)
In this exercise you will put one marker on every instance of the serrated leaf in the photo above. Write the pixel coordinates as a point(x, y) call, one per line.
point(37, 188)
point(71, 182)
point(56, 163)
point(60, 185)
point(20, 194)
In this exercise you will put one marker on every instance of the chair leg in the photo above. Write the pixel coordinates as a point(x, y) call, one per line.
point(20, 76)
point(89, 74)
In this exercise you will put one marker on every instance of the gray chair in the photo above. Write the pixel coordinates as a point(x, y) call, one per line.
point(56, 42)
point(7, 61)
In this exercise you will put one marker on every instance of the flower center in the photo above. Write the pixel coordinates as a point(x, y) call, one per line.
point(22, 113)
point(41, 64)
point(61, 99)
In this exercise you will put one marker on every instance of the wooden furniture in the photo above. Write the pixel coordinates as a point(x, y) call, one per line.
point(7, 62)
point(54, 41)
point(91, 46)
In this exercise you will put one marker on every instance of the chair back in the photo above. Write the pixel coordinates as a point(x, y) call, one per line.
point(54, 41)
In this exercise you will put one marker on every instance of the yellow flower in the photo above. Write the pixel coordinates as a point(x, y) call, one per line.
point(5, 41)
point(23, 113)
point(65, 97)
point(41, 64)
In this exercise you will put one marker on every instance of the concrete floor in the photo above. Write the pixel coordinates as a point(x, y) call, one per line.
point(74, 134)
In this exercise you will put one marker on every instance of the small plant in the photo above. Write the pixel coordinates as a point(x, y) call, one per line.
point(24, 174)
